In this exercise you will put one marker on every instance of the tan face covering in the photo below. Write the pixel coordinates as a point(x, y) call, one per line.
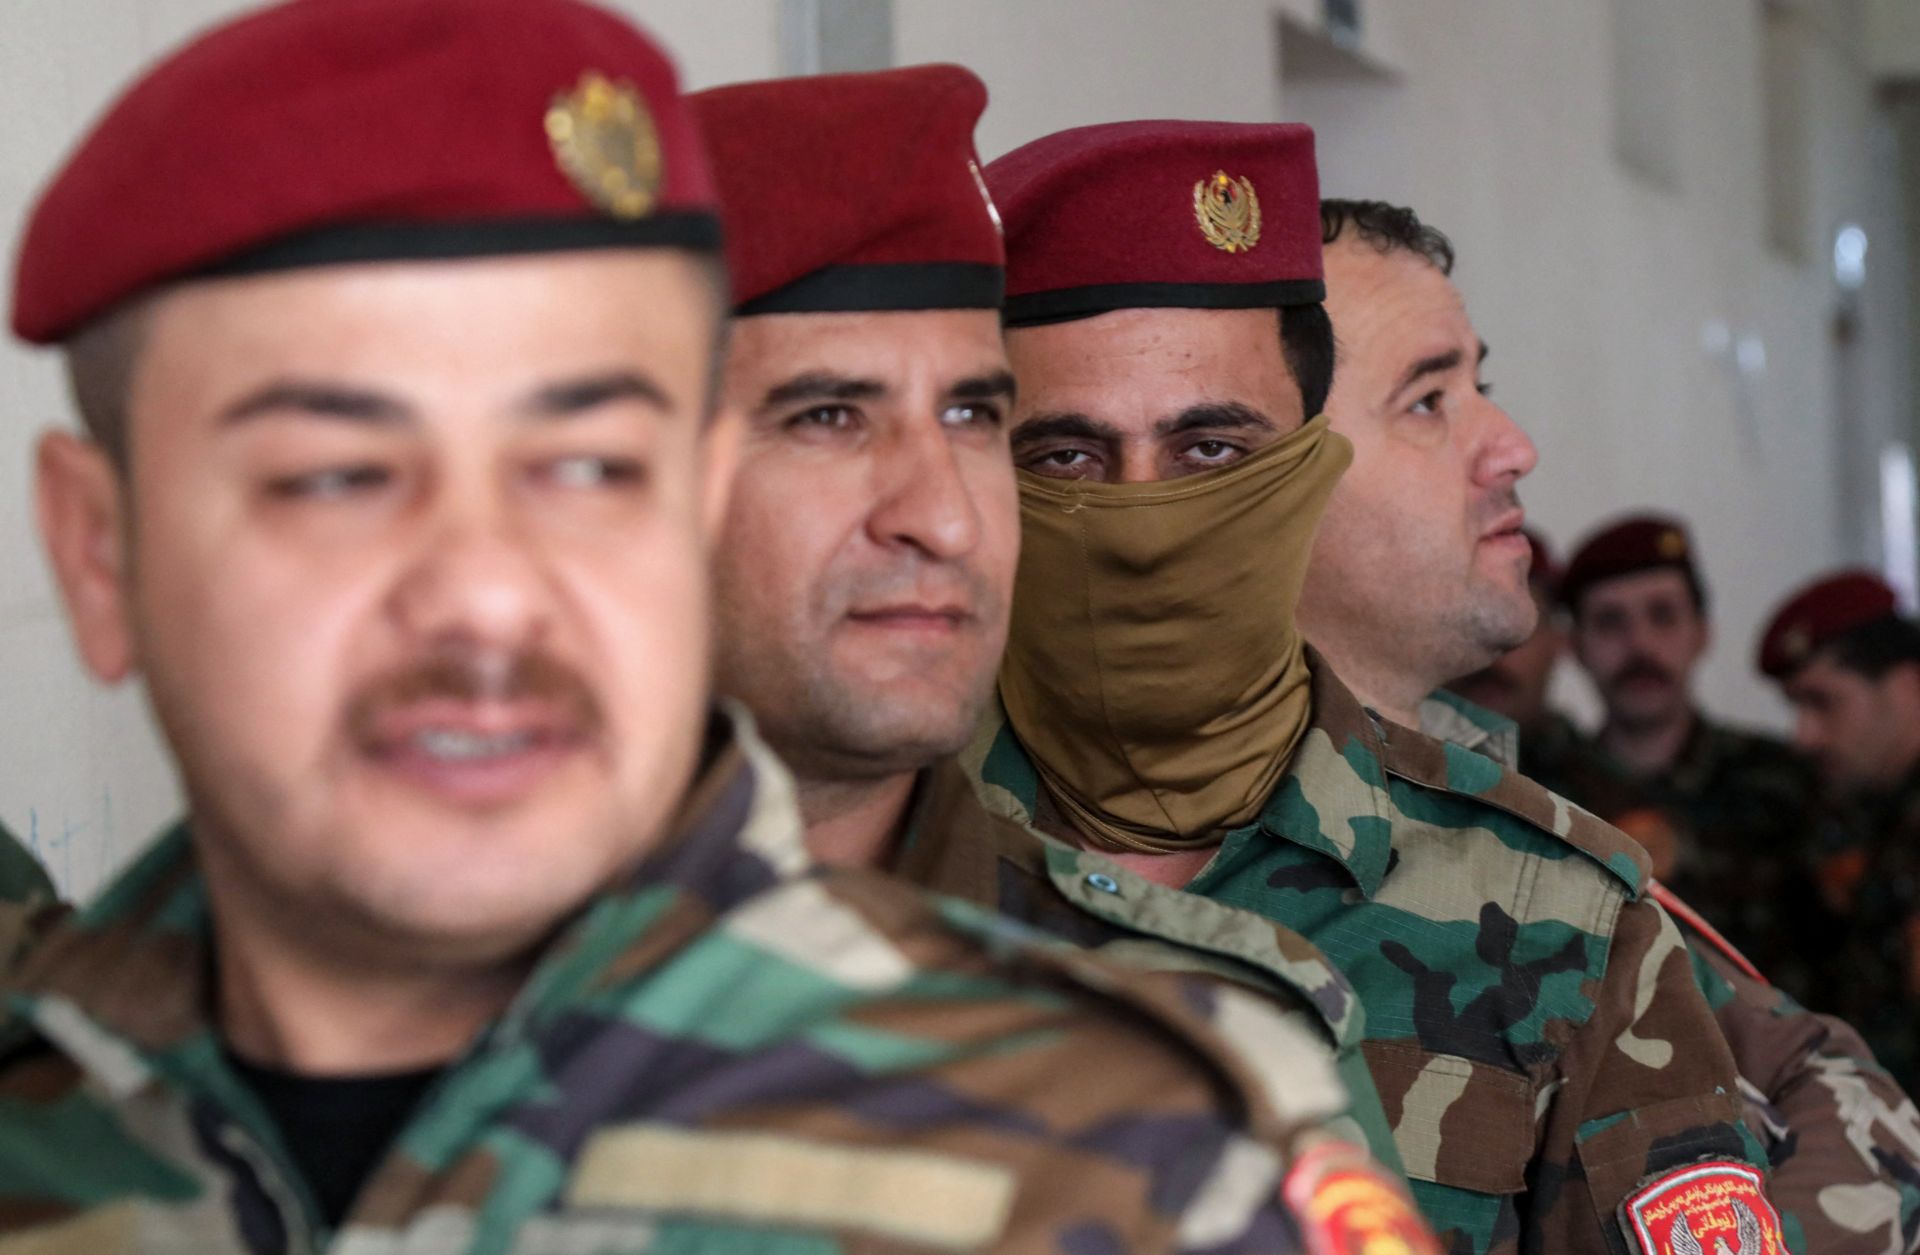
point(1154, 671)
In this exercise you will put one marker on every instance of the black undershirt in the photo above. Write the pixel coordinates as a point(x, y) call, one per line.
point(337, 1128)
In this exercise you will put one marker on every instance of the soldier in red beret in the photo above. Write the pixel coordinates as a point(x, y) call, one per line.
point(1159, 706)
point(864, 629)
point(1737, 806)
point(393, 326)
point(1849, 662)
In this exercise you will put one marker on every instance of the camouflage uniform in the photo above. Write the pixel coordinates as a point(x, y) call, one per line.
point(1842, 1136)
point(953, 842)
point(1744, 813)
point(735, 1052)
point(1531, 1025)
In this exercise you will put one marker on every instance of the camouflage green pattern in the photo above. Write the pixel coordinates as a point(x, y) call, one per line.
point(734, 1052)
point(952, 842)
point(1531, 1024)
point(1842, 1137)
point(1744, 810)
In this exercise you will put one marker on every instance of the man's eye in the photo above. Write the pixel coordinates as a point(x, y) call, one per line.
point(1060, 463)
point(1429, 404)
point(592, 471)
point(332, 484)
point(972, 415)
point(829, 417)
point(1212, 450)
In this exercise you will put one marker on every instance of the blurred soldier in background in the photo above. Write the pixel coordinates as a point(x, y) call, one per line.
point(1849, 662)
point(1844, 1142)
point(1737, 809)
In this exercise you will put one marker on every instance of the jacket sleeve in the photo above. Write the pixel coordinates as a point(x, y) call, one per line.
point(1842, 1137)
point(1648, 1113)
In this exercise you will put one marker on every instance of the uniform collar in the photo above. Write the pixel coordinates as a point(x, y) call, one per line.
point(1332, 798)
point(973, 816)
point(1446, 716)
point(124, 986)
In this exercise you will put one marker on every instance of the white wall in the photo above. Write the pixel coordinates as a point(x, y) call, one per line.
point(1893, 45)
point(1491, 118)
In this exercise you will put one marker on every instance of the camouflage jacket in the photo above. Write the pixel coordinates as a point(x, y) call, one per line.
point(1743, 811)
point(953, 842)
point(1531, 1024)
point(1843, 1139)
point(734, 1052)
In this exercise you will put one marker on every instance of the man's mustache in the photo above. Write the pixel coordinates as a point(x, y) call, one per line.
point(1641, 667)
point(476, 676)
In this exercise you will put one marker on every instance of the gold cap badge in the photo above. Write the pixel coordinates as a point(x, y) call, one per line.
point(1671, 545)
point(1228, 212)
point(604, 140)
point(1797, 643)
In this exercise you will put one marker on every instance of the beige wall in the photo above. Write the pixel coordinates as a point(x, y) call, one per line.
point(1591, 285)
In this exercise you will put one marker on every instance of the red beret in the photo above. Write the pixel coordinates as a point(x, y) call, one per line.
point(1642, 542)
point(855, 192)
point(1136, 215)
point(323, 131)
point(1820, 614)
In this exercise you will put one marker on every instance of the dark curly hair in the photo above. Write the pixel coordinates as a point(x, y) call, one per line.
point(1389, 228)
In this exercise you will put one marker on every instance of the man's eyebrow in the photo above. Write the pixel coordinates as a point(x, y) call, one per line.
point(1436, 364)
point(314, 399)
point(572, 397)
point(997, 386)
point(1230, 415)
point(1059, 423)
point(820, 385)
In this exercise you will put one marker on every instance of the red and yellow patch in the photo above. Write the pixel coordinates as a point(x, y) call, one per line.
point(1717, 1208)
point(1345, 1205)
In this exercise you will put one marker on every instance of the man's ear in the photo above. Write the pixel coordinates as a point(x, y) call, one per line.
point(721, 453)
point(80, 501)
point(1902, 684)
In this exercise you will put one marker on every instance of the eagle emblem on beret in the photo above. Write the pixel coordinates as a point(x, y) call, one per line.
point(1228, 212)
point(1671, 545)
point(604, 141)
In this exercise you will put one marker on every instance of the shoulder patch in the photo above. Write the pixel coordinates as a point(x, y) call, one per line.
point(1432, 764)
point(1346, 1205)
point(1714, 1208)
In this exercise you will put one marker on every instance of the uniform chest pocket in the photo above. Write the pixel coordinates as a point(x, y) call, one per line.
point(929, 1200)
point(1457, 1122)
